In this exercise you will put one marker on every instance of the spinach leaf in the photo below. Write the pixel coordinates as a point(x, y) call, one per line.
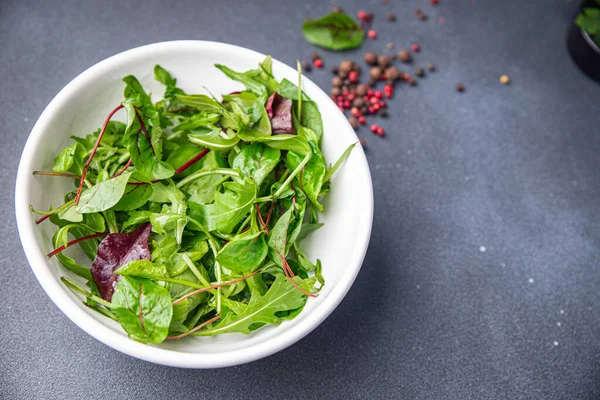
point(103, 195)
point(143, 308)
point(247, 80)
point(243, 254)
point(311, 178)
point(134, 197)
point(228, 208)
point(143, 269)
point(335, 31)
point(213, 138)
point(257, 161)
point(294, 143)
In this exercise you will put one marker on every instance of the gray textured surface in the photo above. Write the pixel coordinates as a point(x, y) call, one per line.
point(512, 168)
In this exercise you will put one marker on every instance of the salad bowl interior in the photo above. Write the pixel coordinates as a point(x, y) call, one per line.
point(82, 106)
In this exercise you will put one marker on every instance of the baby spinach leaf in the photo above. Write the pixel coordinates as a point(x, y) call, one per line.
point(257, 161)
point(281, 296)
point(247, 79)
point(143, 308)
point(65, 159)
point(67, 261)
point(294, 143)
point(143, 269)
point(134, 197)
point(115, 250)
point(311, 178)
point(243, 254)
point(228, 208)
point(290, 90)
point(335, 31)
point(311, 119)
point(103, 195)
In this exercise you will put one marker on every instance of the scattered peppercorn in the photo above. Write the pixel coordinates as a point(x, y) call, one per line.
point(361, 90)
point(306, 67)
point(372, 34)
point(335, 92)
point(335, 70)
point(353, 122)
point(383, 113)
point(374, 128)
point(434, 2)
point(318, 63)
point(342, 74)
point(412, 81)
point(405, 56)
point(418, 11)
point(372, 82)
point(380, 131)
point(422, 17)
point(344, 88)
point(362, 15)
point(336, 81)
point(346, 66)
point(353, 76)
point(370, 58)
point(384, 61)
point(363, 142)
point(431, 67)
point(419, 71)
point(392, 73)
point(362, 120)
point(391, 17)
point(375, 72)
point(460, 87)
point(315, 56)
point(357, 102)
point(505, 79)
point(336, 9)
point(415, 47)
point(389, 45)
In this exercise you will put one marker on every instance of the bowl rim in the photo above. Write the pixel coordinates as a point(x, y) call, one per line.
point(101, 332)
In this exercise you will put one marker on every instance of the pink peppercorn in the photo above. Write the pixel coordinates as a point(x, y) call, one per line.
point(378, 94)
point(347, 104)
point(406, 76)
point(372, 34)
point(376, 106)
point(355, 111)
point(362, 15)
point(369, 93)
point(362, 120)
point(353, 76)
point(382, 104)
point(318, 63)
point(415, 47)
point(388, 88)
point(380, 131)
point(373, 100)
point(374, 128)
point(434, 2)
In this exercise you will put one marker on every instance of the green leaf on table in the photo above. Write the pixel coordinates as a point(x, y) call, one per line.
point(143, 308)
point(281, 296)
point(103, 195)
point(244, 254)
point(335, 31)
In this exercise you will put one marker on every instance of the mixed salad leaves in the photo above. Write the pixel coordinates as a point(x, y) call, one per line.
point(192, 211)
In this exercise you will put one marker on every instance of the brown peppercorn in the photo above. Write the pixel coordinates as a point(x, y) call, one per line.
point(372, 82)
point(419, 71)
point(364, 109)
point(346, 66)
point(384, 61)
point(363, 142)
point(370, 58)
point(389, 45)
point(344, 88)
point(412, 81)
point(335, 92)
point(418, 11)
point(460, 87)
point(358, 102)
point(335, 70)
point(383, 113)
point(362, 90)
point(336, 9)
point(375, 72)
point(392, 73)
point(430, 67)
point(336, 81)
point(306, 67)
point(342, 74)
point(405, 56)
point(315, 56)
point(353, 122)
point(346, 82)
point(356, 67)
point(391, 17)
point(422, 17)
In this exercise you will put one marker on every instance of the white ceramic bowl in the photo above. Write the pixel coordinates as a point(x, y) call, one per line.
point(82, 106)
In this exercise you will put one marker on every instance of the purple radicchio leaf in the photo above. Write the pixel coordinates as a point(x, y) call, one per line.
point(116, 250)
point(279, 110)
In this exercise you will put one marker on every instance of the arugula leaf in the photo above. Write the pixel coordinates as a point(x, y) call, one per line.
point(143, 308)
point(281, 296)
point(335, 31)
point(103, 195)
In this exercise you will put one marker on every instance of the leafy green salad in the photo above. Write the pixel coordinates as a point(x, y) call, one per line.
point(192, 212)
